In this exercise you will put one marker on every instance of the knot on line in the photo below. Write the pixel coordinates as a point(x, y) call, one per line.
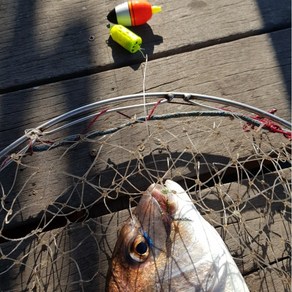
point(32, 134)
point(269, 125)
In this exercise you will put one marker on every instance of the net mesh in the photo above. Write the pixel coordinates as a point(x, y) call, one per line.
point(65, 195)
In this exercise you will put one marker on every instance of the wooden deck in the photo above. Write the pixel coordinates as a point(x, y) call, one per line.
point(56, 56)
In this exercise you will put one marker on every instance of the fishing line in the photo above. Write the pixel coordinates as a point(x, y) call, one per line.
point(147, 116)
point(144, 72)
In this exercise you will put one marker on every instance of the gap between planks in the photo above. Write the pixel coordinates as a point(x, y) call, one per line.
point(136, 61)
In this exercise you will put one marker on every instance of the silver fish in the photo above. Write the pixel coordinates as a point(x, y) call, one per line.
point(166, 245)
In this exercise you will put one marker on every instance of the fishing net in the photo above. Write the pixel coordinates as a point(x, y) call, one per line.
point(67, 185)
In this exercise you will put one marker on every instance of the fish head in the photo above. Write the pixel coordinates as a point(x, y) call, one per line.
point(166, 245)
point(145, 240)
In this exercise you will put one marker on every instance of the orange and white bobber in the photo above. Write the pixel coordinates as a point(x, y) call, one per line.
point(132, 13)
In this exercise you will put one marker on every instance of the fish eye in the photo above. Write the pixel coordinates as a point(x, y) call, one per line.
point(139, 249)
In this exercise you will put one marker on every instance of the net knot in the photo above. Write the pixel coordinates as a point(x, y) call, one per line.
point(33, 134)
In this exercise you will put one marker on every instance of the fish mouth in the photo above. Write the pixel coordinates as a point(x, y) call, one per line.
point(164, 198)
point(159, 199)
point(157, 210)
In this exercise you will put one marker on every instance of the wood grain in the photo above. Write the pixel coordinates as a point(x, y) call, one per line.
point(245, 70)
point(46, 41)
point(253, 80)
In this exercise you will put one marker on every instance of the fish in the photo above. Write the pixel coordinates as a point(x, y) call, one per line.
point(167, 245)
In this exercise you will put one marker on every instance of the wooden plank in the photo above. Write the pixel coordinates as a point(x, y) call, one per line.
point(76, 257)
point(245, 70)
point(244, 199)
point(251, 216)
point(50, 40)
point(273, 278)
point(60, 187)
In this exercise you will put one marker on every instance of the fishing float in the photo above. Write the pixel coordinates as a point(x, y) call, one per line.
point(125, 38)
point(133, 13)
